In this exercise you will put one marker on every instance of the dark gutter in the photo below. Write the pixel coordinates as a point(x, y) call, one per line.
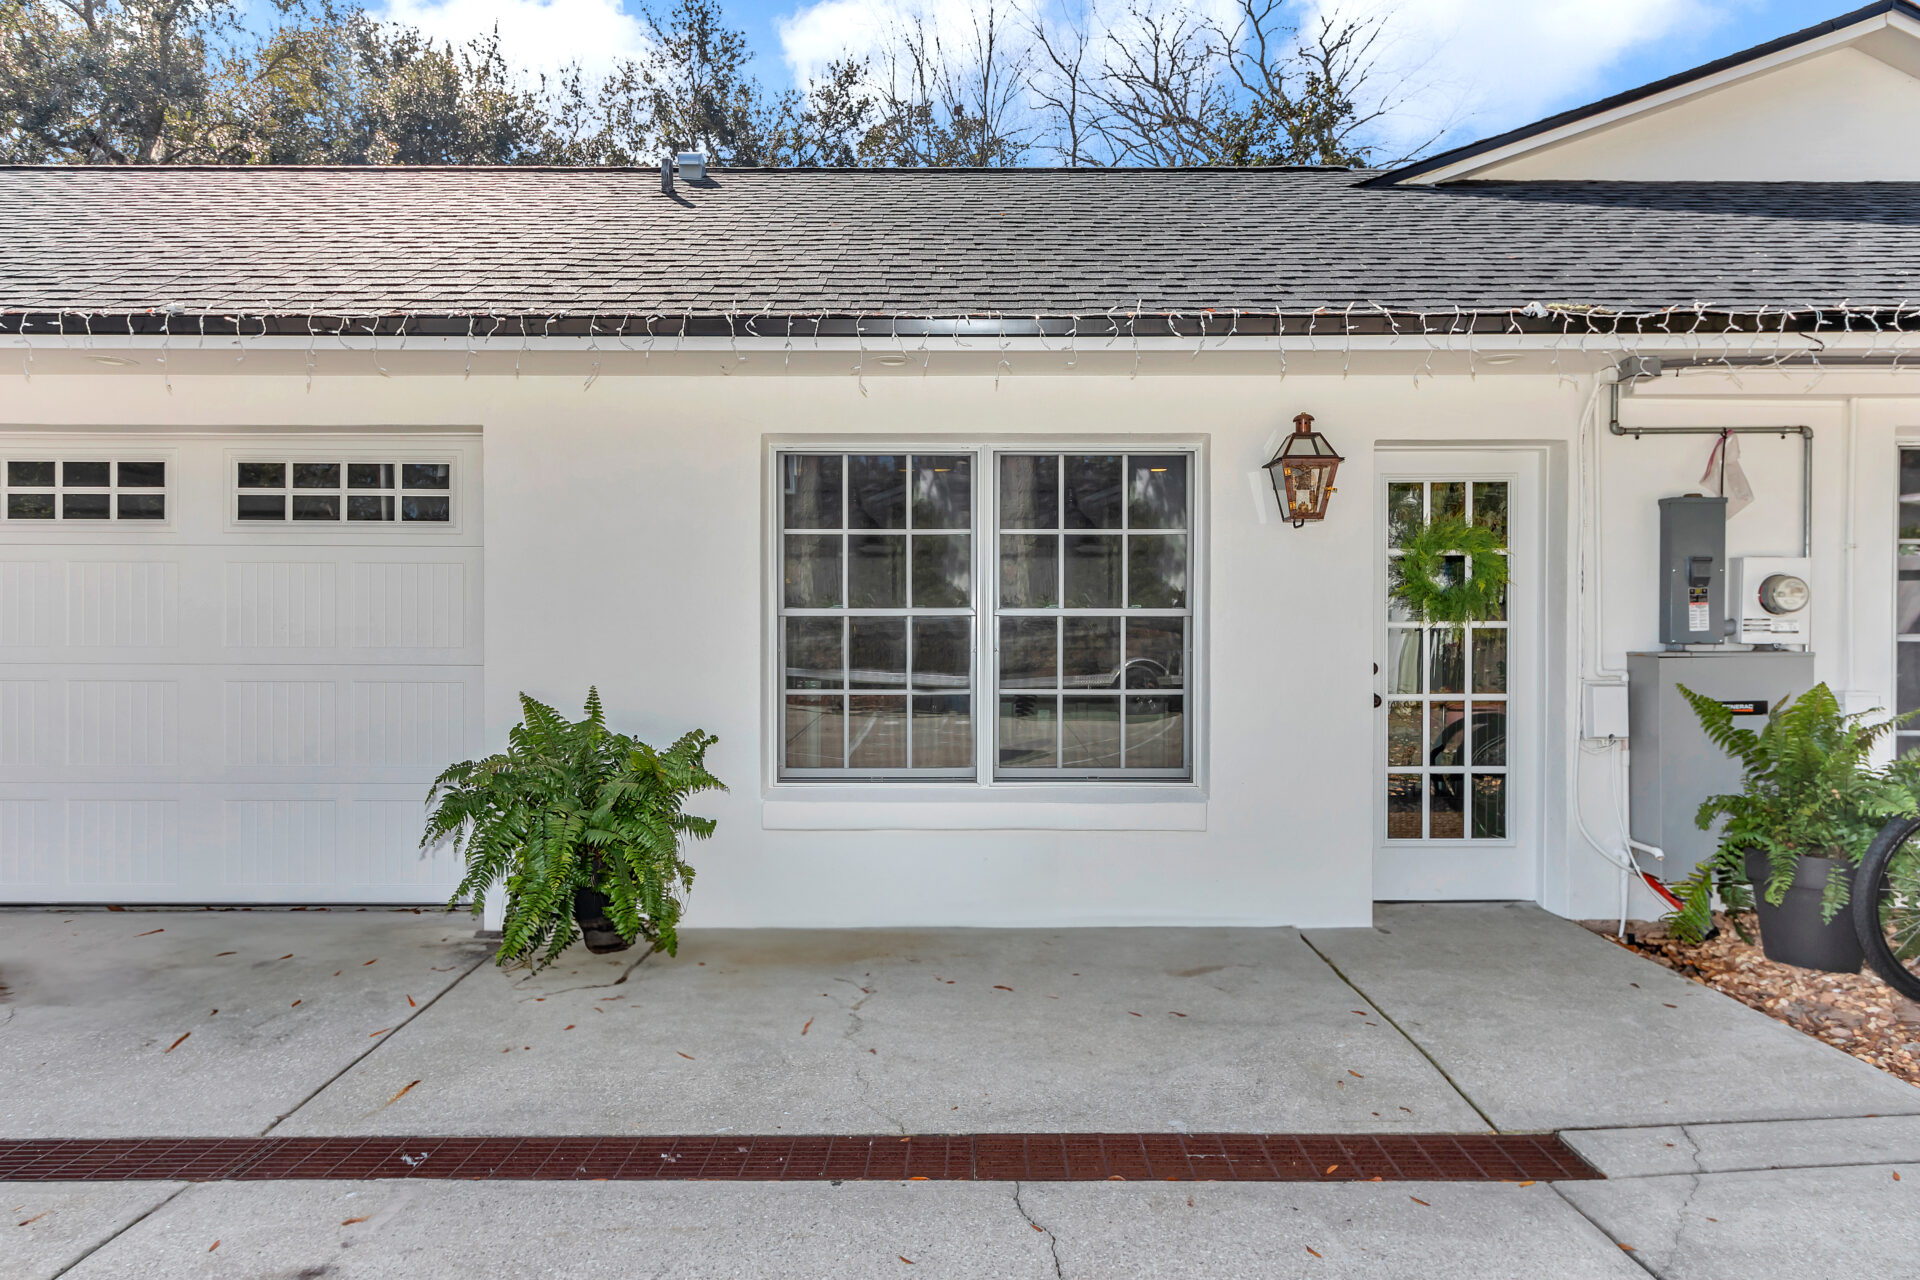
point(1471, 149)
point(622, 332)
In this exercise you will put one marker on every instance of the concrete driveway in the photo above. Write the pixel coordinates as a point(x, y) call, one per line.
point(1734, 1146)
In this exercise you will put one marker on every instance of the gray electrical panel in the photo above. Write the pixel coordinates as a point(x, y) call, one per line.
point(1674, 767)
point(1693, 570)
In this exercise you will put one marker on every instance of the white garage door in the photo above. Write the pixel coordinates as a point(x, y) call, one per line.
point(230, 664)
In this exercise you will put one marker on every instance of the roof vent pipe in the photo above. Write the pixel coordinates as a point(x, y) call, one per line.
point(666, 175)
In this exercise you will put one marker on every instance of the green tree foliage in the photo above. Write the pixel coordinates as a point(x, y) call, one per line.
point(322, 82)
point(572, 805)
point(1810, 790)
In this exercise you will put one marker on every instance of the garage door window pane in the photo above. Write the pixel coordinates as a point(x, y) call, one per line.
point(84, 489)
point(341, 491)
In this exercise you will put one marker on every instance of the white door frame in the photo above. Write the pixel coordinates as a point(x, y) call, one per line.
point(1468, 869)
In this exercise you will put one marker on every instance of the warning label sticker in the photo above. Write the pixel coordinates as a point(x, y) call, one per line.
point(1697, 618)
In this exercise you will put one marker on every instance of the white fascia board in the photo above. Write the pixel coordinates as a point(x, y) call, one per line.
point(1597, 342)
point(1470, 165)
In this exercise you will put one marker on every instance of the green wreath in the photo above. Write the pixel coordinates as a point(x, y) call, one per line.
point(1418, 571)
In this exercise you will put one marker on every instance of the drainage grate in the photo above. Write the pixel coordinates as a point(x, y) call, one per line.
point(1037, 1157)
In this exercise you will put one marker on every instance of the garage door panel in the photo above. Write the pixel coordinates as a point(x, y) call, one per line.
point(208, 711)
point(217, 843)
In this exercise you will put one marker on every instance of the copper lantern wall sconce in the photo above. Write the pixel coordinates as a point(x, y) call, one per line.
point(1302, 473)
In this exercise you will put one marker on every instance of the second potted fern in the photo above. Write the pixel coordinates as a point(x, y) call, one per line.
point(1810, 803)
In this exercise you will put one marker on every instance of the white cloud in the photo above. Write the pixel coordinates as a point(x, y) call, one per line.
point(1477, 67)
point(537, 35)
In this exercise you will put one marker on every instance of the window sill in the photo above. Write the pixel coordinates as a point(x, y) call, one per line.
point(1039, 807)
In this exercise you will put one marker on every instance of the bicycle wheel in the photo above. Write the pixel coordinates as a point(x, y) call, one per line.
point(1886, 905)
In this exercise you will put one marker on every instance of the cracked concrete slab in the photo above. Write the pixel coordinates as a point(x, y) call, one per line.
point(1548, 1026)
point(1773, 1144)
point(689, 1230)
point(1435, 1231)
point(1810, 1224)
point(928, 1031)
point(456, 1230)
point(173, 1023)
point(49, 1226)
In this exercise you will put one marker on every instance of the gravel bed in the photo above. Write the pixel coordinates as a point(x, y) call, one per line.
point(1854, 1012)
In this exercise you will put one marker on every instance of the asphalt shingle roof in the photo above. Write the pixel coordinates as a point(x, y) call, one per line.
point(1057, 242)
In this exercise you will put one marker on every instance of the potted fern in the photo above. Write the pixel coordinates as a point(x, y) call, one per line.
point(582, 825)
point(1811, 803)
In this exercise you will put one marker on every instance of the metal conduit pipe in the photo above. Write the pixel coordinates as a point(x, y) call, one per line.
point(1643, 368)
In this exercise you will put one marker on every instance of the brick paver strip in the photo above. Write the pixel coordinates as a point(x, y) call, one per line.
point(999, 1157)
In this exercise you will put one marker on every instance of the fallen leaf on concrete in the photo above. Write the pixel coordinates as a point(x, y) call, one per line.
point(904, 1258)
point(1896, 1175)
point(225, 953)
point(1132, 1014)
point(1626, 1248)
point(1355, 1074)
point(347, 1222)
point(570, 1026)
point(1418, 1200)
point(175, 1045)
point(1527, 1183)
point(395, 1098)
point(213, 1246)
point(803, 1030)
point(689, 1057)
point(289, 956)
point(1310, 1249)
point(411, 1004)
point(382, 1031)
point(1176, 1013)
point(116, 908)
point(294, 1005)
point(375, 960)
point(1854, 1012)
point(149, 933)
point(44, 1212)
point(998, 987)
point(1115, 1178)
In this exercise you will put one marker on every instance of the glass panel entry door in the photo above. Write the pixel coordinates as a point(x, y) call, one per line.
point(1459, 713)
point(1446, 740)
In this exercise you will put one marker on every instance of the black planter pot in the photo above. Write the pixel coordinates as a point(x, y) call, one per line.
point(590, 913)
point(1793, 932)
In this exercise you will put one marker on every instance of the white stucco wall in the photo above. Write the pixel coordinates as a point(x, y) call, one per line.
point(1842, 116)
point(624, 547)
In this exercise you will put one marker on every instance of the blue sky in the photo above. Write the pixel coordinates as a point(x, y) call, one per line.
point(1480, 66)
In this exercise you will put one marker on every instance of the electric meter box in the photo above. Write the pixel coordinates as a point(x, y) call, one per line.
point(1771, 602)
point(1693, 570)
point(1672, 766)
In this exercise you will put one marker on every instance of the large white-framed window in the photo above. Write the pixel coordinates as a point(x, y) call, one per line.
point(342, 491)
point(56, 487)
point(993, 615)
point(877, 615)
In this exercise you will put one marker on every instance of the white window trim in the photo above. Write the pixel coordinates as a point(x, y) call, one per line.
point(349, 452)
point(984, 802)
point(60, 455)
